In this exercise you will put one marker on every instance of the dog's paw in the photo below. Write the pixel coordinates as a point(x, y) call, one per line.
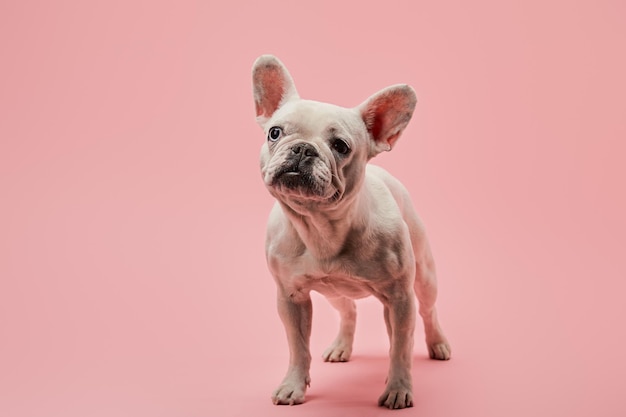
point(339, 351)
point(289, 393)
point(440, 351)
point(396, 396)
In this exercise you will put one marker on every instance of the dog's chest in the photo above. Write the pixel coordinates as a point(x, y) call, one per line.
point(337, 285)
point(366, 259)
point(350, 275)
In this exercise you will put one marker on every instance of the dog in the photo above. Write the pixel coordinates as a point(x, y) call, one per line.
point(342, 227)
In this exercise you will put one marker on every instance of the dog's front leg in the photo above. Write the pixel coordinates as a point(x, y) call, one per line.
point(296, 315)
point(400, 320)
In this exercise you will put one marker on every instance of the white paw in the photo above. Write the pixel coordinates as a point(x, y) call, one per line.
point(339, 351)
point(396, 396)
point(440, 351)
point(289, 393)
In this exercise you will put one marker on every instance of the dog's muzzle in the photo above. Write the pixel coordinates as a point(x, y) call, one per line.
point(302, 170)
point(303, 154)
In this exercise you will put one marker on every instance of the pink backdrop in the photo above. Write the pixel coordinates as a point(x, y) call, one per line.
point(132, 274)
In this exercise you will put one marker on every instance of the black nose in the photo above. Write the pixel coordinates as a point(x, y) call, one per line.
point(305, 148)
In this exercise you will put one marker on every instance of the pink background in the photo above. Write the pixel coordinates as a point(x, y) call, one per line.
point(132, 214)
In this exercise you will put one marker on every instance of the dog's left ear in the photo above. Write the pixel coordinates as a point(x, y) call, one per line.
point(386, 114)
point(272, 86)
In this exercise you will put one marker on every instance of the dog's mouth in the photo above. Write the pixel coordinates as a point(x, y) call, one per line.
point(294, 177)
point(303, 181)
point(302, 175)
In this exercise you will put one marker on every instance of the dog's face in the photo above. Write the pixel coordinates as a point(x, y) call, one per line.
point(315, 153)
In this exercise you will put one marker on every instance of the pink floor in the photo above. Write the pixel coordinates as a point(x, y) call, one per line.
point(132, 274)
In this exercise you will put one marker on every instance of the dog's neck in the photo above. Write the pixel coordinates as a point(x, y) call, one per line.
point(325, 231)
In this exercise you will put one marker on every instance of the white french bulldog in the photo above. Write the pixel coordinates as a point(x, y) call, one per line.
point(342, 227)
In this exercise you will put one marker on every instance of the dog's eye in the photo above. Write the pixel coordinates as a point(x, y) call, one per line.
point(274, 133)
point(340, 146)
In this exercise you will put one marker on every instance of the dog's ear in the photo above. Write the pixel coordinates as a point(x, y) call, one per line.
point(386, 114)
point(272, 86)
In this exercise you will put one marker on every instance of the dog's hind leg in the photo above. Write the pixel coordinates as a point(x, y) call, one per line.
point(426, 291)
point(341, 348)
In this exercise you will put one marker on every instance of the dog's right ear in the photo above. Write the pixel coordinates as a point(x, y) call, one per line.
point(386, 114)
point(272, 86)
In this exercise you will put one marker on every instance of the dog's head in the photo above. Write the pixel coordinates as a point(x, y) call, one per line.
point(315, 153)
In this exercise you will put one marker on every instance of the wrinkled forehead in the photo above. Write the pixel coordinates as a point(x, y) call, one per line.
point(313, 117)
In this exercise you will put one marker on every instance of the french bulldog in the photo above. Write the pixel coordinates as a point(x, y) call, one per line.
point(342, 227)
